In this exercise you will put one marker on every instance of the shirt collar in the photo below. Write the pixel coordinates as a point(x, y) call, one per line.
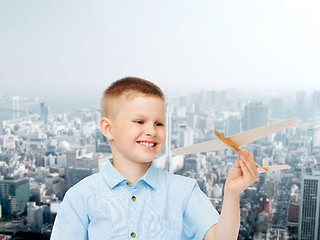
point(113, 177)
point(151, 176)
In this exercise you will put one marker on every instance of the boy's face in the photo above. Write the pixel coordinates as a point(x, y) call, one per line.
point(138, 130)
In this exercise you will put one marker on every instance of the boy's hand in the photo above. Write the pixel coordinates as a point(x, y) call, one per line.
point(242, 174)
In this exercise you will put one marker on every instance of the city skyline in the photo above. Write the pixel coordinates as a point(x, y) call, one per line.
point(58, 105)
point(55, 151)
point(220, 64)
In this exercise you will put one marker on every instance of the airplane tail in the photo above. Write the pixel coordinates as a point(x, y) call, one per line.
point(271, 168)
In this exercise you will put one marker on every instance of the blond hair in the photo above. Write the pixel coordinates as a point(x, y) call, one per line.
point(127, 87)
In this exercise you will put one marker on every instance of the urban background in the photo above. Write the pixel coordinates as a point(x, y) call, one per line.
point(58, 56)
point(43, 154)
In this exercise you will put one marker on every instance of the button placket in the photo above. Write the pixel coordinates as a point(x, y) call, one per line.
point(134, 194)
point(133, 211)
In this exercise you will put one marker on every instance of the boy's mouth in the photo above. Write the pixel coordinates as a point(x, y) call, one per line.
point(147, 144)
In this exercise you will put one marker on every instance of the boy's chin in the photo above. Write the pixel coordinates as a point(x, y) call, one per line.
point(145, 161)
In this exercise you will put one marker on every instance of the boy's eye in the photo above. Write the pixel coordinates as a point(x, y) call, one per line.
point(139, 122)
point(158, 124)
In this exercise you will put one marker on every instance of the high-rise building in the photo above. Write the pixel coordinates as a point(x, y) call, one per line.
point(56, 184)
point(85, 166)
point(71, 156)
point(316, 102)
point(185, 136)
point(14, 195)
point(233, 125)
point(1, 127)
point(76, 174)
point(44, 112)
point(309, 220)
point(35, 215)
point(293, 217)
point(168, 134)
point(16, 107)
point(255, 115)
point(316, 136)
point(301, 107)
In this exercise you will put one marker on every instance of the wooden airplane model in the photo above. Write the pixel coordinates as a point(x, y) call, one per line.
point(265, 166)
point(237, 140)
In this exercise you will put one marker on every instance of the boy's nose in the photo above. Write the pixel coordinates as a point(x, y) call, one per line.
point(150, 131)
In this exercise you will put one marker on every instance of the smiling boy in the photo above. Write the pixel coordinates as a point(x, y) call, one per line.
point(136, 134)
point(132, 199)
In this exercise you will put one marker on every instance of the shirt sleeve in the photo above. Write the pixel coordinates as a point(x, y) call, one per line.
point(71, 222)
point(199, 214)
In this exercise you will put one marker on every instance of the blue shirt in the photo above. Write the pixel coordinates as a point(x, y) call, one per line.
point(160, 206)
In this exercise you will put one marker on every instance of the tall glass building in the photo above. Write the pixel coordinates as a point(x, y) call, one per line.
point(14, 195)
point(309, 225)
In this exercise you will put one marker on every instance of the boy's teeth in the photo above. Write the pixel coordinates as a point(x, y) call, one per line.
point(147, 144)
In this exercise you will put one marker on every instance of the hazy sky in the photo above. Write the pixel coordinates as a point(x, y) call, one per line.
point(71, 50)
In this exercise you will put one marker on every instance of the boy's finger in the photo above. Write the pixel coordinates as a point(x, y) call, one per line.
point(252, 166)
point(244, 169)
point(249, 162)
point(248, 178)
point(237, 163)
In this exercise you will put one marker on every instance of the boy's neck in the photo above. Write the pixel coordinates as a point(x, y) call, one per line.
point(131, 171)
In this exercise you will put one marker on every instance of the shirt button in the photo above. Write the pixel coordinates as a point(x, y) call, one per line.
point(134, 198)
point(128, 183)
point(133, 234)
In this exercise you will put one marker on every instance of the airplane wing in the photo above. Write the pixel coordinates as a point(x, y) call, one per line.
point(211, 145)
point(273, 168)
point(240, 138)
point(260, 132)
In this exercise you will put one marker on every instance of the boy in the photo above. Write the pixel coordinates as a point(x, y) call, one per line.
point(130, 198)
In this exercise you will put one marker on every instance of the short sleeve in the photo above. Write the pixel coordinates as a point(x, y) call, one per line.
point(71, 221)
point(199, 215)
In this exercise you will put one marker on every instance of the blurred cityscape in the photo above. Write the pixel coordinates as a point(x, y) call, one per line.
point(43, 154)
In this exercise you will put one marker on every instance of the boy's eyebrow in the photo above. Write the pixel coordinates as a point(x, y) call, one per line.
point(139, 115)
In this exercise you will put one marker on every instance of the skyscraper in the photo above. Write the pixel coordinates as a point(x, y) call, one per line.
point(44, 112)
point(316, 102)
point(255, 115)
point(309, 224)
point(233, 125)
point(301, 108)
point(185, 136)
point(14, 194)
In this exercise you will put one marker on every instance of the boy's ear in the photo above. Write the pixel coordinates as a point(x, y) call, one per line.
point(106, 128)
